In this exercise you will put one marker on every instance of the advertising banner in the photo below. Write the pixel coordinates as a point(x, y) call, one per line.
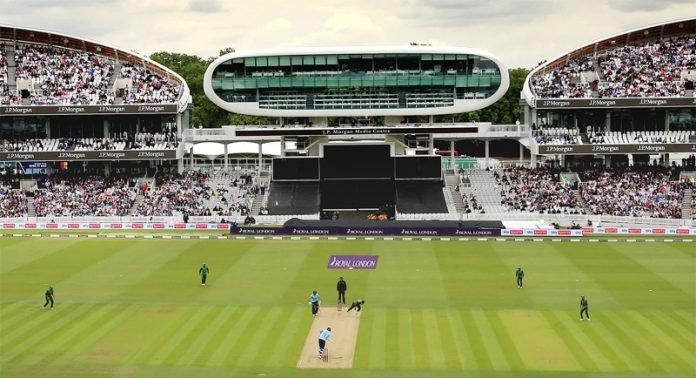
point(633, 102)
point(376, 231)
point(640, 231)
point(88, 155)
point(353, 262)
point(584, 149)
point(87, 109)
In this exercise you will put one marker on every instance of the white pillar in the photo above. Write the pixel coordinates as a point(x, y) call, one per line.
point(282, 146)
point(453, 164)
point(534, 160)
point(521, 152)
point(260, 159)
point(191, 158)
point(227, 164)
point(487, 144)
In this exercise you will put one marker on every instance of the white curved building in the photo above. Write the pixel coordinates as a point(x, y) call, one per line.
point(356, 81)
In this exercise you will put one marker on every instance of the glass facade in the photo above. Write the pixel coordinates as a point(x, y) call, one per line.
point(353, 81)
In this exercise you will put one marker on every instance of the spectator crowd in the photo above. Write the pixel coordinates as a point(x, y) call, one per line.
point(69, 195)
point(536, 190)
point(650, 69)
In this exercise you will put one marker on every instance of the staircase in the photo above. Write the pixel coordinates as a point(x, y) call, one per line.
point(11, 67)
point(686, 203)
point(31, 210)
point(138, 200)
point(259, 202)
point(457, 200)
point(581, 201)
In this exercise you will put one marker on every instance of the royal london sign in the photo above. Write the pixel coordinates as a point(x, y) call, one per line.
point(87, 109)
point(589, 149)
point(632, 102)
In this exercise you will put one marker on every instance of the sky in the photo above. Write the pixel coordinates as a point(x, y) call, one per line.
point(520, 32)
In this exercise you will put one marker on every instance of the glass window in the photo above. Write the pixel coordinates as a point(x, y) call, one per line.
point(296, 60)
point(427, 57)
point(450, 57)
point(331, 59)
point(238, 61)
point(308, 60)
point(438, 57)
point(262, 61)
point(284, 61)
point(250, 62)
point(320, 60)
point(273, 61)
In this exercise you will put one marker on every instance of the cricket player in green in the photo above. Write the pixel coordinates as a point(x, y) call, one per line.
point(49, 297)
point(203, 272)
point(358, 303)
point(583, 308)
point(520, 275)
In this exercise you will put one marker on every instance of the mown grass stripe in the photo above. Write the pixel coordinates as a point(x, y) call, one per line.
point(476, 343)
point(392, 347)
point(218, 334)
point(186, 335)
point(204, 334)
point(177, 317)
point(375, 358)
point(512, 354)
point(63, 337)
point(285, 349)
point(490, 341)
point(38, 319)
point(571, 341)
point(63, 341)
point(233, 335)
point(637, 341)
point(689, 317)
point(16, 313)
point(246, 336)
point(450, 349)
point(607, 331)
point(420, 350)
point(662, 343)
point(433, 338)
point(275, 333)
point(675, 330)
point(407, 357)
point(677, 319)
point(597, 353)
point(197, 314)
point(616, 352)
point(253, 351)
point(460, 339)
point(43, 333)
point(362, 355)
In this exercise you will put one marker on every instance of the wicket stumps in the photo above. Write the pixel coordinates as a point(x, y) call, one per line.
point(325, 356)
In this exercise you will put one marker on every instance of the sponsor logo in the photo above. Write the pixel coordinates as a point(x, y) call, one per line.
point(301, 231)
point(71, 109)
point(151, 154)
point(658, 230)
point(353, 262)
point(8, 225)
point(222, 226)
point(602, 102)
point(540, 232)
point(653, 101)
point(158, 225)
point(682, 231)
point(71, 155)
point(138, 225)
point(418, 232)
point(112, 155)
point(611, 230)
point(94, 225)
point(256, 231)
point(51, 225)
point(475, 232)
point(652, 148)
point(564, 232)
point(634, 231)
point(73, 225)
point(516, 232)
point(200, 226)
point(555, 103)
point(600, 148)
point(116, 225)
point(150, 108)
point(30, 225)
point(180, 226)
point(112, 109)
point(562, 149)
point(20, 156)
point(13, 110)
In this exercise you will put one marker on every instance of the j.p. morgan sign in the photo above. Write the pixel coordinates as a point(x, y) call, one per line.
point(575, 103)
point(88, 155)
point(584, 149)
point(87, 109)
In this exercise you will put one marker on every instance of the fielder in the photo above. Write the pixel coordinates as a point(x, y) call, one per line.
point(324, 335)
point(49, 297)
point(520, 275)
point(315, 302)
point(357, 304)
point(583, 308)
point(203, 272)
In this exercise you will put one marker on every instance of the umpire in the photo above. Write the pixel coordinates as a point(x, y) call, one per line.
point(341, 286)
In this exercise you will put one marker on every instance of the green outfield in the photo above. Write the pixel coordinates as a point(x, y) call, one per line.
point(134, 307)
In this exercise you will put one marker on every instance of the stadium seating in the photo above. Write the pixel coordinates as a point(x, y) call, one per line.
point(652, 69)
point(140, 141)
point(535, 190)
point(13, 203)
point(627, 192)
point(61, 76)
point(557, 135)
point(83, 196)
